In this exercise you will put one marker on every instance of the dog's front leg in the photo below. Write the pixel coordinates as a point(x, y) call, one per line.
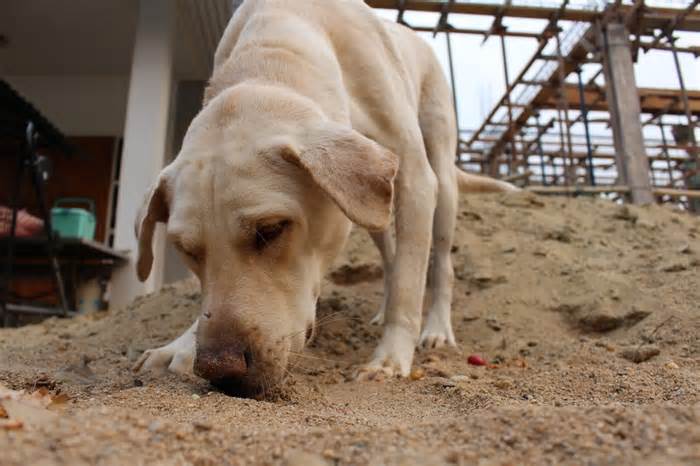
point(177, 356)
point(416, 188)
point(384, 240)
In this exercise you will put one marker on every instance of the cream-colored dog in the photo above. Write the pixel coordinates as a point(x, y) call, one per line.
point(318, 114)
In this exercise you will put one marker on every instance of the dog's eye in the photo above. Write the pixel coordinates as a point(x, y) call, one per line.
point(195, 255)
point(266, 234)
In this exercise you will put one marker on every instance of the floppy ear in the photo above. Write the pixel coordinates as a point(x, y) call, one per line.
point(153, 210)
point(356, 172)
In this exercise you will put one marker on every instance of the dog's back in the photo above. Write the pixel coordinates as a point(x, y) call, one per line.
point(330, 45)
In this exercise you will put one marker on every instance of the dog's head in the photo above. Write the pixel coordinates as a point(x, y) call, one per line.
point(259, 202)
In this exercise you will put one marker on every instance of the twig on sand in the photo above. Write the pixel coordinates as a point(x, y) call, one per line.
point(647, 339)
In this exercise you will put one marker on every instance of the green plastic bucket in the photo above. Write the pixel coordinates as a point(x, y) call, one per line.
point(74, 222)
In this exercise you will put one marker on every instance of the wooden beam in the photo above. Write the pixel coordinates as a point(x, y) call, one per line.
point(654, 18)
point(478, 32)
point(653, 101)
point(689, 193)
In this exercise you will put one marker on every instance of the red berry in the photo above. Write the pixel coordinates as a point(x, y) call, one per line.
point(476, 360)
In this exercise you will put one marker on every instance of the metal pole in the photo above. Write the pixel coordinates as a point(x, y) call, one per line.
point(562, 154)
point(540, 151)
point(565, 107)
point(684, 96)
point(513, 152)
point(671, 182)
point(38, 181)
point(584, 115)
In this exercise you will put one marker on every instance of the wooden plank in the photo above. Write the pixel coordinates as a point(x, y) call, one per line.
point(691, 194)
point(67, 249)
point(651, 100)
point(654, 18)
point(478, 32)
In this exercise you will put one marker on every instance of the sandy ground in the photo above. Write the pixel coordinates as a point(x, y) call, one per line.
point(558, 295)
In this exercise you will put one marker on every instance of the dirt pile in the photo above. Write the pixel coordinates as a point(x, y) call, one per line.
point(587, 313)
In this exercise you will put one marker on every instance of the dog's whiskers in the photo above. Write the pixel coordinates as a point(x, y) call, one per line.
point(326, 320)
point(308, 356)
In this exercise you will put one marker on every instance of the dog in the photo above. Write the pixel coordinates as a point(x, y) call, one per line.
point(318, 114)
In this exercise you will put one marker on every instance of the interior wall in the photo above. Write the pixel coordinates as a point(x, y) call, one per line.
point(92, 161)
point(96, 106)
point(79, 105)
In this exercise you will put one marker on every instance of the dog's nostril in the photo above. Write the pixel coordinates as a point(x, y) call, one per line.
point(228, 364)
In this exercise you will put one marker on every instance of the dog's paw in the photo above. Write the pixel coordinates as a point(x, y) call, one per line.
point(437, 333)
point(178, 361)
point(377, 371)
point(392, 358)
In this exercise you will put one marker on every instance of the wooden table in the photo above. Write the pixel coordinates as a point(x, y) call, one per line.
point(79, 259)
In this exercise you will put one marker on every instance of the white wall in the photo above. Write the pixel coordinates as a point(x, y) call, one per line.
point(79, 105)
point(146, 141)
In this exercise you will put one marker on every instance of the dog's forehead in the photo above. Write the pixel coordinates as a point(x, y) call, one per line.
point(210, 191)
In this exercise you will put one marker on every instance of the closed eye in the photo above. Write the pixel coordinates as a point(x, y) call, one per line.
point(266, 234)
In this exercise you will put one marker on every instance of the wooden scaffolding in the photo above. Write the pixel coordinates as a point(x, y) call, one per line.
point(572, 152)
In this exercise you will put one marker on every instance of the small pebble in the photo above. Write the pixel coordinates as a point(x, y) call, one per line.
point(195, 396)
point(417, 374)
point(444, 382)
point(202, 426)
point(671, 365)
point(502, 384)
point(640, 354)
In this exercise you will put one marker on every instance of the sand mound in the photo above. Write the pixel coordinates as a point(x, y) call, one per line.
point(587, 313)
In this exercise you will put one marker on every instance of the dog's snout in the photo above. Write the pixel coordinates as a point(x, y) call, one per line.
point(223, 367)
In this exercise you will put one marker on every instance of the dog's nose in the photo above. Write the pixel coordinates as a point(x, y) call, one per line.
point(222, 367)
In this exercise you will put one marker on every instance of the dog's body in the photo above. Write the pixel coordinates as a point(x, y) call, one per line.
point(300, 94)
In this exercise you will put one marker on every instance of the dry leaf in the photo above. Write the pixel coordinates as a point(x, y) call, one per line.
point(20, 408)
point(11, 424)
point(27, 412)
point(58, 402)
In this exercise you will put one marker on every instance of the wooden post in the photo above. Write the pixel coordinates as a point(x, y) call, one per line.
point(623, 100)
